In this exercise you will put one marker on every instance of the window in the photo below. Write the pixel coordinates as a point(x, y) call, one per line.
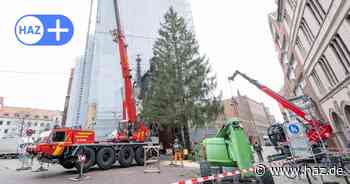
point(29, 124)
point(37, 116)
point(41, 124)
point(318, 82)
point(292, 3)
point(342, 52)
point(1, 122)
point(316, 10)
point(301, 47)
point(6, 114)
point(58, 136)
point(16, 115)
point(27, 115)
point(327, 69)
point(8, 122)
point(325, 4)
point(36, 124)
point(307, 31)
point(6, 130)
point(46, 117)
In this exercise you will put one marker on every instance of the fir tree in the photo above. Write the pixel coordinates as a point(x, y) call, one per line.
point(181, 84)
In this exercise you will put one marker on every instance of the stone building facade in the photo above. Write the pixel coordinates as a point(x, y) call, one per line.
point(313, 41)
point(14, 121)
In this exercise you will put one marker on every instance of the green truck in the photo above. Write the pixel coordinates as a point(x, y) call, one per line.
point(230, 149)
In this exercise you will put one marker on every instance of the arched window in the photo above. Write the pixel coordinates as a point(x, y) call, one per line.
point(328, 70)
point(318, 82)
point(317, 10)
point(342, 52)
point(307, 30)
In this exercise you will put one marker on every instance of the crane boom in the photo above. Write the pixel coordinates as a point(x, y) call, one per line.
point(129, 103)
point(281, 100)
point(317, 131)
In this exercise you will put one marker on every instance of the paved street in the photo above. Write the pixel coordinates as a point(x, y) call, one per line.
point(58, 175)
point(132, 175)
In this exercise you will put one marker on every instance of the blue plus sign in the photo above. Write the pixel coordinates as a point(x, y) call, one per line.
point(58, 30)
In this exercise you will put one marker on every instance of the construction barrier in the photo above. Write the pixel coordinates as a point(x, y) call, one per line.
point(214, 177)
point(278, 163)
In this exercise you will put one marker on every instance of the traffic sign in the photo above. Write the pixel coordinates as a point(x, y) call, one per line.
point(297, 139)
point(293, 128)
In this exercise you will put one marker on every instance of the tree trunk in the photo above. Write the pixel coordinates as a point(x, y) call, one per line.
point(183, 140)
point(187, 136)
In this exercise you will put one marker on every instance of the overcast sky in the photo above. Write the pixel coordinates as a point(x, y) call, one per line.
point(233, 34)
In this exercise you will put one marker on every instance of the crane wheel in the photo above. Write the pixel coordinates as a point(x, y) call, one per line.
point(126, 156)
point(139, 156)
point(67, 163)
point(90, 158)
point(105, 158)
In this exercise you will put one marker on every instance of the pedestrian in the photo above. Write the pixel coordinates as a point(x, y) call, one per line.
point(258, 149)
point(178, 156)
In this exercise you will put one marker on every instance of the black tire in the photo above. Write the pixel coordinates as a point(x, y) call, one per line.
point(67, 163)
point(267, 178)
point(105, 158)
point(90, 159)
point(126, 156)
point(139, 156)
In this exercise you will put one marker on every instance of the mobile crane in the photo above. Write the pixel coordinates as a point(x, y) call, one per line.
point(65, 144)
point(316, 132)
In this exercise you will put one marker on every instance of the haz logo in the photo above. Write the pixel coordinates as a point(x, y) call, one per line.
point(44, 30)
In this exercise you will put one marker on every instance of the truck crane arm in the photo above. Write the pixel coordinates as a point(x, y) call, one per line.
point(129, 103)
point(316, 131)
point(129, 106)
point(281, 100)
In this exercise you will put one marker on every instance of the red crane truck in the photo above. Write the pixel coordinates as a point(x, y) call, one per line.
point(65, 144)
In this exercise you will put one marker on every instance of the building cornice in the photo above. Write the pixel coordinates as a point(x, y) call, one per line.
point(336, 89)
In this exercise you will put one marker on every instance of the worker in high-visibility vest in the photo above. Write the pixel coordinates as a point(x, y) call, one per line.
point(178, 152)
